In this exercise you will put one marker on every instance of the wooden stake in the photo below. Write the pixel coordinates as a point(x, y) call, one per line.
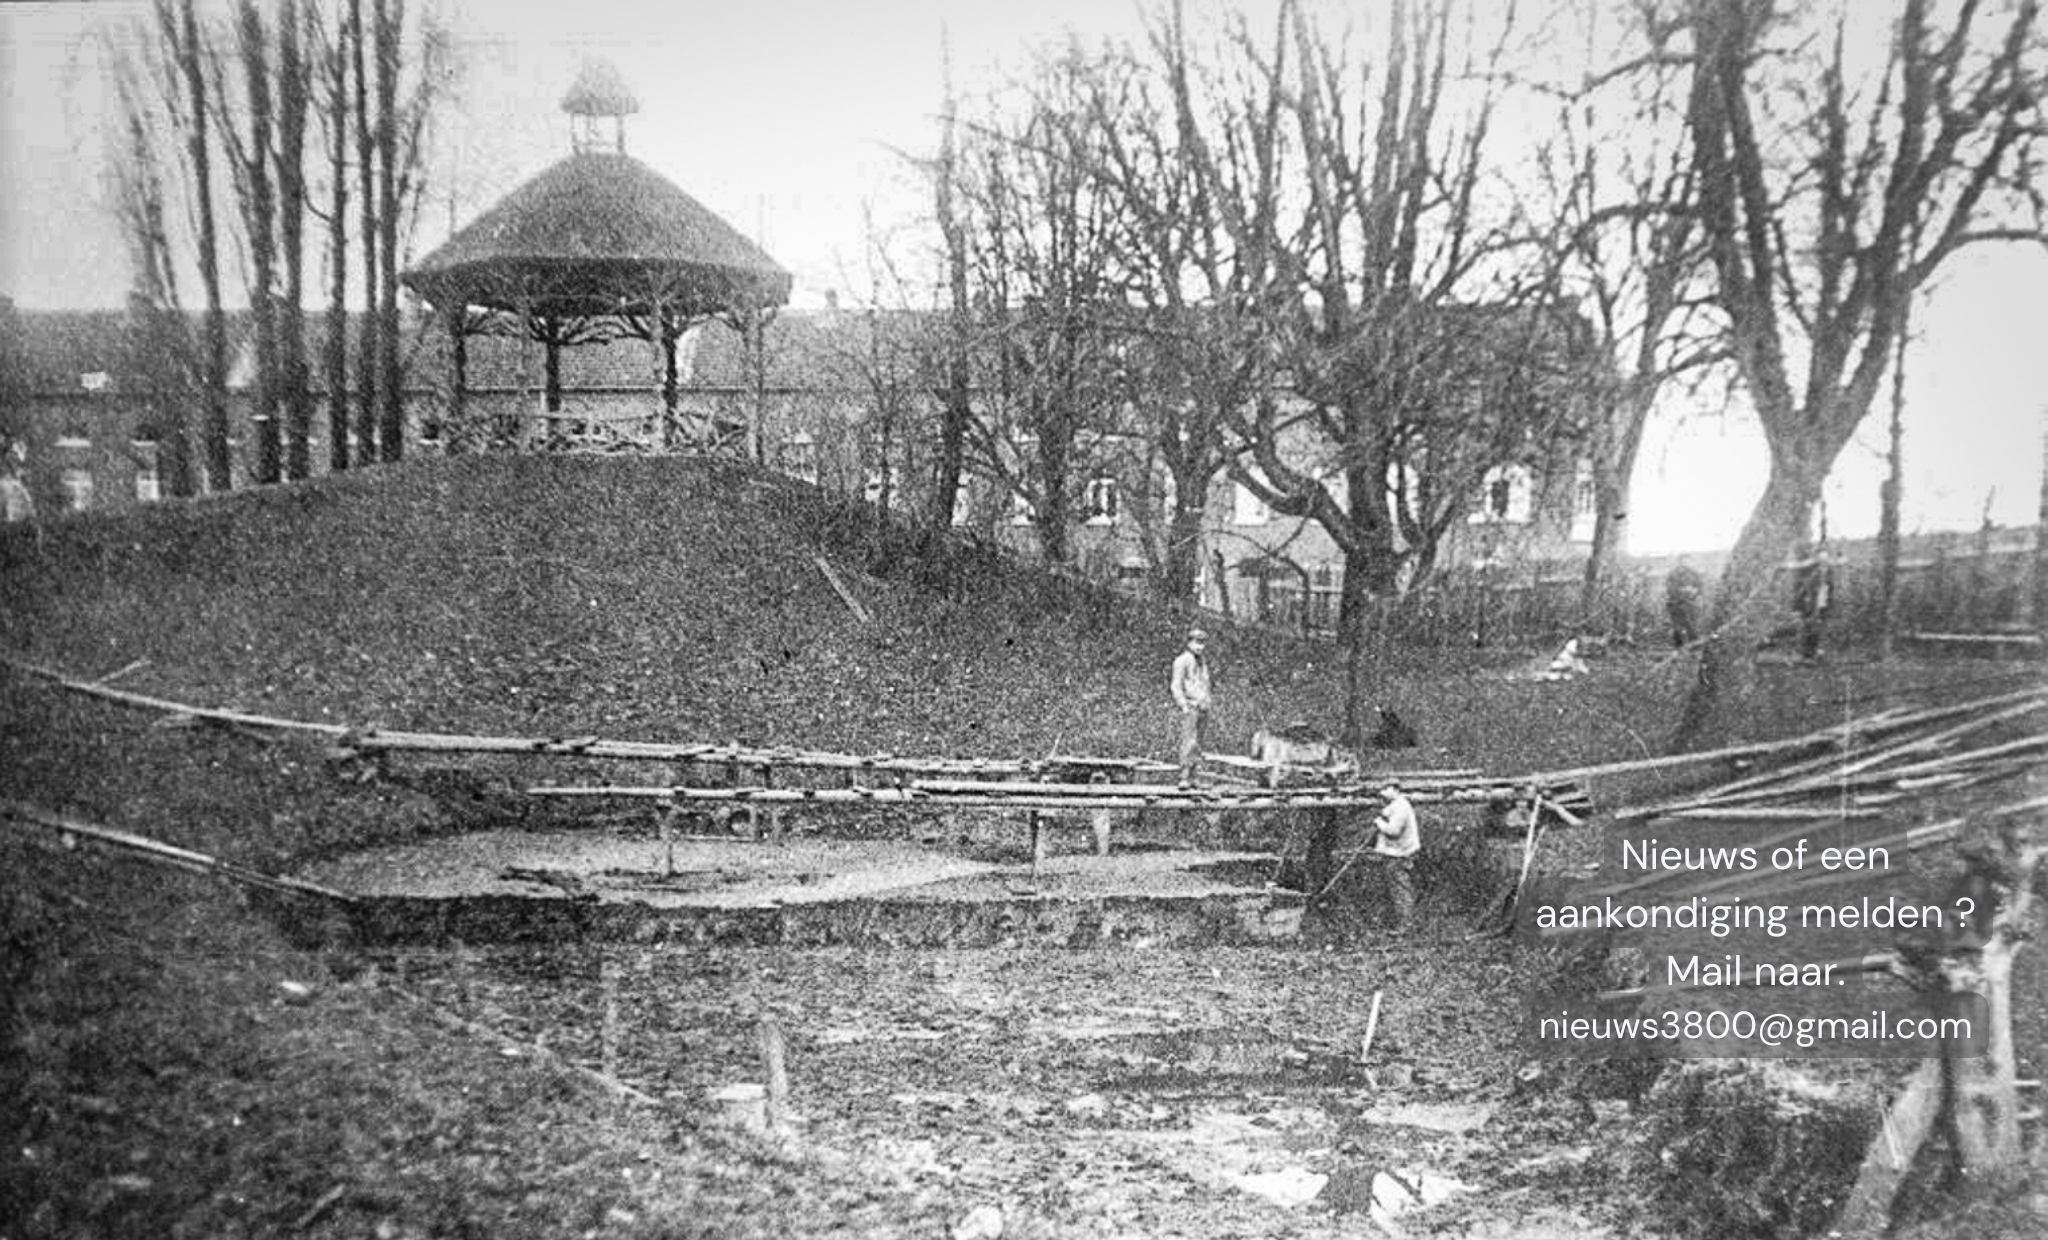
point(161, 853)
point(665, 819)
point(860, 613)
point(775, 1067)
point(1891, 1154)
point(608, 1054)
point(1372, 1025)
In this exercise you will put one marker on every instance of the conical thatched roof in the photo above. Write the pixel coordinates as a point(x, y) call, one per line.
point(600, 233)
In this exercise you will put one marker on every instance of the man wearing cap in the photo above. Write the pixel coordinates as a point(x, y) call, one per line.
point(1190, 685)
point(1399, 839)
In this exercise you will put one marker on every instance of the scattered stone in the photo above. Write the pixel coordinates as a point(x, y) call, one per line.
point(981, 1223)
point(744, 1103)
point(1404, 1192)
point(1446, 1117)
point(295, 993)
point(1290, 1187)
point(1088, 1106)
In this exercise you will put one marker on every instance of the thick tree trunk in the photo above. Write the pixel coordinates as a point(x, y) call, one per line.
point(1890, 493)
point(337, 254)
point(260, 213)
point(368, 350)
point(956, 408)
point(2041, 561)
point(213, 363)
point(1745, 604)
point(1183, 564)
point(1054, 458)
point(390, 18)
point(1620, 442)
point(293, 87)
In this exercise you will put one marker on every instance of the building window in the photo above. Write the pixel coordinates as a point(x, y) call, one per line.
point(1504, 496)
point(76, 481)
point(148, 481)
point(799, 455)
point(1099, 501)
point(1248, 509)
point(880, 481)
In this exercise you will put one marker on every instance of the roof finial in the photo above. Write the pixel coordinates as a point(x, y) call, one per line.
point(599, 93)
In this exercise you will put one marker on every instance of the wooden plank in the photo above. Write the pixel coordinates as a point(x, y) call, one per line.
point(1879, 722)
point(163, 854)
point(853, 604)
point(1166, 797)
point(1999, 639)
point(1766, 813)
point(166, 706)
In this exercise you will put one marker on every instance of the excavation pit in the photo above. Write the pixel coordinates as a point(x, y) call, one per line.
point(539, 887)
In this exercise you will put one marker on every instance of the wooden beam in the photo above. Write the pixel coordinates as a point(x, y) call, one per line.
point(158, 852)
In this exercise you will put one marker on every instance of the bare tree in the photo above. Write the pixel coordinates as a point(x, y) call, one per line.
point(294, 90)
point(249, 160)
point(1824, 210)
point(1195, 354)
point(190, 112)
point(392, 153)
point(369, 347)
point(1360, 223)
point(956, 389)
point(337, 57)
point(164, 350)
point(1623, 238)
point(1042, 267)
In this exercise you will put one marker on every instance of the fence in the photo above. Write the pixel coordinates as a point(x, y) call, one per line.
point(1958, 587)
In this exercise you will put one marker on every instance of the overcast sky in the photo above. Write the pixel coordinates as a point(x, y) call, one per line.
point(786, 116)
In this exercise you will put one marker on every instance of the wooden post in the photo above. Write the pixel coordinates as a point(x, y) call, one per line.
point(1891, 1154)
point(667, 329)
point(775, 1067)
point(1037, 842)
point(665, 820)
point(774, 812)
point(608, 1053)
point(1102, 825)
point(458, 379)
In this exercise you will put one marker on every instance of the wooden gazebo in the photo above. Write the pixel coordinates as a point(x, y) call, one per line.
point(597, 248)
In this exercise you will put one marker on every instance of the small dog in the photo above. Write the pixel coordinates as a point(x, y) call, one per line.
point(1298, 745)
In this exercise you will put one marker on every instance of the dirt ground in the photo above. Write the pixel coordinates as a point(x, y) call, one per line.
point(1193, 1092)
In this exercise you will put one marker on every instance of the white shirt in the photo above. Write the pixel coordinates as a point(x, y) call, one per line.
point(1191, 681)
point(1400, 836)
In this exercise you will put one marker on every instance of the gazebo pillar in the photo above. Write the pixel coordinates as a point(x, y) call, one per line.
point(668, 326)
point(551, 329)
point(458, 356)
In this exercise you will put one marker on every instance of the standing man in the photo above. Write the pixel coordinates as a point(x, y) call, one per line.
point(1400, 838)
point(1813, 594)
point(1190, 685)
point(1682, 590)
